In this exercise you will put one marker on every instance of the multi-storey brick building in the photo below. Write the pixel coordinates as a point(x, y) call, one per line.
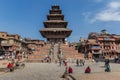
point(12, 43)
point(90, 48)
point(4, 43)
point(102, 44)
point(35, 44)
point(1, 39)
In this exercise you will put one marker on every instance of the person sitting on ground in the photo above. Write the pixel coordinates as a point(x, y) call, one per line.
point(70, 70)
point(10, 67)
point(65, 73)
point(88, 70)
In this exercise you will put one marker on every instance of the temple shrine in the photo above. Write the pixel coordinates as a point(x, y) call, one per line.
point(55, 28)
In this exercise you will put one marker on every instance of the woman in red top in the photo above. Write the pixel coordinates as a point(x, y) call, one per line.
point(10, 67)
point(70, 70)
point(88, 70)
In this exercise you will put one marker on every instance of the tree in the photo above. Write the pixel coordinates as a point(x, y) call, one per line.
point(103, 31)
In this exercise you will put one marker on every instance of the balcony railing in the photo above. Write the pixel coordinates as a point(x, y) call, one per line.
point(96, 53)
point(107, 44)
point(95, 47)
point(6, 44)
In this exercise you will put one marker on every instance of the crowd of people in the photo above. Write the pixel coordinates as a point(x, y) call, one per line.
point(81, 62)
point(8, 55)
point(13, 58)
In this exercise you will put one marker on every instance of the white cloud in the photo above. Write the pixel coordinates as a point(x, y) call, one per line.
point(114, 5)
point(110, 13)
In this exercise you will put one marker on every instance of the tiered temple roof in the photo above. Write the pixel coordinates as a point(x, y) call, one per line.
point(55, 27)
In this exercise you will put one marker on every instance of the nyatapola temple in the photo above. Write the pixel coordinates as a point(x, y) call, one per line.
point(55, 27)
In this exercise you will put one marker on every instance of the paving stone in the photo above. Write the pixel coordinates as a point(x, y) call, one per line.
point(35, 71)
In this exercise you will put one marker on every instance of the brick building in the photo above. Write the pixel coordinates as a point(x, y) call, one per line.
point(12, 43)
point(34, 44)
point(101, 44)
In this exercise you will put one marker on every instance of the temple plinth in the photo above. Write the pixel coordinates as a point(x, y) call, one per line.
point(55, 28)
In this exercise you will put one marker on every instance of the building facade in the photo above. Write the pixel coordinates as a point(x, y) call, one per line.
point(12, 44)
point(34, 44)
point(101, 45)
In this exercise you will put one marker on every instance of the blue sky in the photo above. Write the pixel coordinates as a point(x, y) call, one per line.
point(25, 17)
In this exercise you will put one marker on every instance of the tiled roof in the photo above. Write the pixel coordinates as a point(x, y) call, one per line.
point(2, 38)
point(92, 41)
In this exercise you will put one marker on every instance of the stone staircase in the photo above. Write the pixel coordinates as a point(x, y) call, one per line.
point(52, 50)
point(70, 52)
point(40, 53)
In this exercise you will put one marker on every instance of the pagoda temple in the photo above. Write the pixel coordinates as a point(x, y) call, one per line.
point(55, 28)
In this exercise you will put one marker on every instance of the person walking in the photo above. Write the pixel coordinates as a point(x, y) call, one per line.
point(107, 68)
point(77, 62)
point(107, 62)
point(60, 62)
point(81, 62)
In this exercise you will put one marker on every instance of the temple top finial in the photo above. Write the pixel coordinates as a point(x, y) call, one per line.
point(54, 7)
